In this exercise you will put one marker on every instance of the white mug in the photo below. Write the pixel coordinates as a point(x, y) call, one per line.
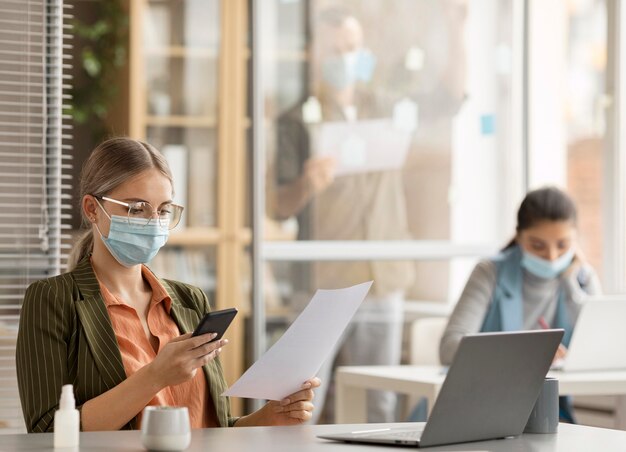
point(165, 428)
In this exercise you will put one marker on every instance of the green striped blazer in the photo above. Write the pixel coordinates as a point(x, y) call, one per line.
point(66, 337)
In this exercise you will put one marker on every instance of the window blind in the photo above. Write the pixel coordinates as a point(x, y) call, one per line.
point(34, 163)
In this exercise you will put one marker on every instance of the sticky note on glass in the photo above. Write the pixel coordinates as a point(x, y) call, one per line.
point(312, 111)
point(405, 115)
point(487, 124)
point(414, 59)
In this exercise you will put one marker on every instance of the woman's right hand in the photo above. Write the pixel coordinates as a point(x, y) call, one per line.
point(560, 355)
point(179, 360)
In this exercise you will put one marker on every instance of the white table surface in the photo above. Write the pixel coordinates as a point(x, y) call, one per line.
point(425, 381)
point(570, 438)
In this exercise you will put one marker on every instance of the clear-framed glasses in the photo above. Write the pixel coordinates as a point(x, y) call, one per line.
point(141, 213)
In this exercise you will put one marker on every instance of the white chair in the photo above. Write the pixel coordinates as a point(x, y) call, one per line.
point(425, 336)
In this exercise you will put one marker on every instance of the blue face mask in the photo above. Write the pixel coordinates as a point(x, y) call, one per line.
point(349, 68)
point(132, 242)
point(544, 268)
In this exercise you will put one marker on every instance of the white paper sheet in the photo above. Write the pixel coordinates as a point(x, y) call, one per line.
point(364, 146)
point(298, 355)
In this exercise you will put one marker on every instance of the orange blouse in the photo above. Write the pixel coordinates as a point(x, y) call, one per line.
point(137, 351)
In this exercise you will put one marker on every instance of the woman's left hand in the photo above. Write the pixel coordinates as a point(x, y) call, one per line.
point(294, 409)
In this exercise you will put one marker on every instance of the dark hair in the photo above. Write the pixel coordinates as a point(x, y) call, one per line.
point(548, 203)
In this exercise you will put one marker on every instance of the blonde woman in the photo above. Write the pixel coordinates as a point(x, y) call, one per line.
point(113, 329)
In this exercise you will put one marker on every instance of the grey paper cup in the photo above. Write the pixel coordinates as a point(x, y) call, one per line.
point(544, 417)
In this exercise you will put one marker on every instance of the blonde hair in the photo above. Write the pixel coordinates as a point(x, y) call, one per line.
point(110, 164)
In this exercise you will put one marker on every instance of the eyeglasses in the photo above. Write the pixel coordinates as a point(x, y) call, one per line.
point(168, 216)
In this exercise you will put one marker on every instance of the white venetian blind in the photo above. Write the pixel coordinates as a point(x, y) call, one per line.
point(34, 199)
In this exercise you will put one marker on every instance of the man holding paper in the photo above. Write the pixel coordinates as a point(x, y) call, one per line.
point(330, 174)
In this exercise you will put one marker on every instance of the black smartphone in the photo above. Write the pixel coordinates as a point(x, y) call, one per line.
point(215, 322)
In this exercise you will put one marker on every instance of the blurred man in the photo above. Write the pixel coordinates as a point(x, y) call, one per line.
point(366, 205)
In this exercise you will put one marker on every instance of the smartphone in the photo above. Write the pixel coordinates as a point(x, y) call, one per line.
point(215, 322)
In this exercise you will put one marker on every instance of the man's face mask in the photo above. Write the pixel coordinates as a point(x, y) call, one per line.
point(131, 241)
point(341, 71)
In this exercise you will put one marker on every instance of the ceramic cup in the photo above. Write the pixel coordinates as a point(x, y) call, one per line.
point(165, 428)
point(544, 417)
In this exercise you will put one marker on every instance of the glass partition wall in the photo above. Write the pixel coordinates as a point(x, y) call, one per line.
point(389, 140)
point(390, 147)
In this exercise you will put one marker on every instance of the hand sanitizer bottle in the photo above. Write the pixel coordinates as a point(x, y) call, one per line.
point(66, 420)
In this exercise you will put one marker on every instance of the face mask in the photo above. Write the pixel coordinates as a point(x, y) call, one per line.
point(132, 243)
point(544, 268)
point(349, 68)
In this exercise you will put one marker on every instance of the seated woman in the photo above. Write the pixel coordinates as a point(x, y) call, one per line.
point(538, 281)
point(113, 329)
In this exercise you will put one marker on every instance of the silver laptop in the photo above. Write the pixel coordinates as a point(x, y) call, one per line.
point(489, 392)
point(599, 339)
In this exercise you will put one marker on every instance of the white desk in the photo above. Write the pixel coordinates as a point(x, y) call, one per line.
point(570, 438)
point(425, 381)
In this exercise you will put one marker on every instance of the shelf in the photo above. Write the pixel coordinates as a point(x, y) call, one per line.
point(209, 53)
point(195, 236)
point(181, 121)
point(183, 52)
point(187, 121)
point(204, 236)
